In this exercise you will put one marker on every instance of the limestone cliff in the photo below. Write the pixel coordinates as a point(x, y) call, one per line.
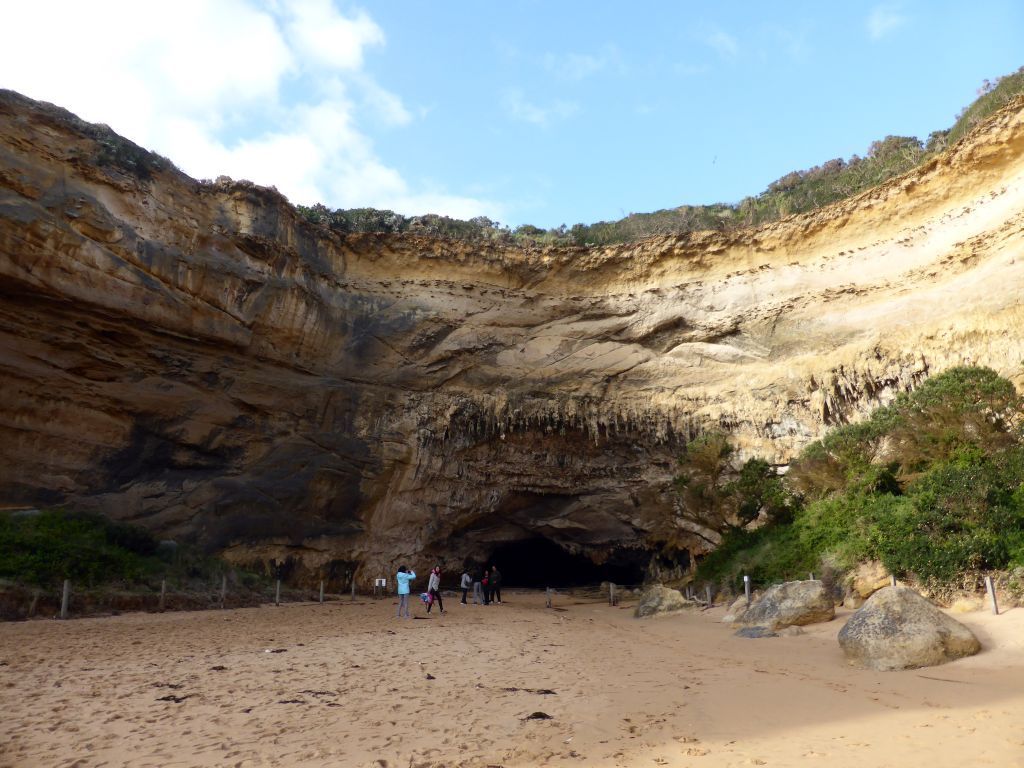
point(198, 358)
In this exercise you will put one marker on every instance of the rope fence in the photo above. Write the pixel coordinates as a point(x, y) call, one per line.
point(609, 592)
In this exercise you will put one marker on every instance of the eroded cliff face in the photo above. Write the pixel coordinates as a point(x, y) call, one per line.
point(197, 358)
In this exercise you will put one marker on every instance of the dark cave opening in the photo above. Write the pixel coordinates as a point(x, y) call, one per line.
point(539, 562)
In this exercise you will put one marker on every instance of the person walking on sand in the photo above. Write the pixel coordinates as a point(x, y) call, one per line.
point(403, 577)
point(434, 589)
point(495, 585)
point(485, 584)
point(467, 582)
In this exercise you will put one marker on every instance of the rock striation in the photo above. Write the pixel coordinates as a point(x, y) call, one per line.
point(196, 357)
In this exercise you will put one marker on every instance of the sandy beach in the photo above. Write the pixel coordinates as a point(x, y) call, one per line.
point(348, 684)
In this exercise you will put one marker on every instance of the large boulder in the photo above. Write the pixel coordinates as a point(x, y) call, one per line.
point(736, 610)
point(898, 629)
point(657, 600)
point(793, 603)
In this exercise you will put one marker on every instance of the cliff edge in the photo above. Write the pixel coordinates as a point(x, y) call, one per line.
point(198, 358)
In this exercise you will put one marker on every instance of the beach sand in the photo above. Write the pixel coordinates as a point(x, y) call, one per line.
point(348, 684)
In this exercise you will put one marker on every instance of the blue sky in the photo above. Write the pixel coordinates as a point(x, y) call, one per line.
point(526, 112)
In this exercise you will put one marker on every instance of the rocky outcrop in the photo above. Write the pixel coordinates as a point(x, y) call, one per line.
point(196, 357)
point(898, 629)
point(735, 611)
point(793, 603)
point(866, 579)
point(657, 600)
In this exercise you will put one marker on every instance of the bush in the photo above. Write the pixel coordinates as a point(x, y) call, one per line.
point(44, 548)
point(52, 545)
point(932, 485)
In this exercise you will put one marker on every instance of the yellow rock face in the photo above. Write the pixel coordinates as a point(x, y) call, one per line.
point(197, 357)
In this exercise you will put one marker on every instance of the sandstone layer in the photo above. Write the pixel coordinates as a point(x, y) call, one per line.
point(196, 357)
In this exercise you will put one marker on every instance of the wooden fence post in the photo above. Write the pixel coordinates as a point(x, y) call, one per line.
point(224, 591)
point(65, 599)
point(163, 594)
point(707, 591)
point(746, 589)
point(353, 588)
point(611, 593)
point(277, 593)
point(990, 587)
point(321, 591)
point(547, 597)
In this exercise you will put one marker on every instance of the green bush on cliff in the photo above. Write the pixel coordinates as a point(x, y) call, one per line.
point(932, 485)
point(992, 96)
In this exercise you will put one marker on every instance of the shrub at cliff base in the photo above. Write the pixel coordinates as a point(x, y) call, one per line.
point(43, 548)
point(40, 549)
point(931, 485)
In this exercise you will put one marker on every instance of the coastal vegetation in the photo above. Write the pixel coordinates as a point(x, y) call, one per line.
point(795, 192)
point(931, 485)
point(40, 548)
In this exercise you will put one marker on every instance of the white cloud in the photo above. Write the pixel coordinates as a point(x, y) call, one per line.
point(725, 44)
point(574, 66)
point(384, 104)
point(690, 70)
point(884, 19)
point(213, 87)
point(326, 37)
point(519, 108)
point(793, 40)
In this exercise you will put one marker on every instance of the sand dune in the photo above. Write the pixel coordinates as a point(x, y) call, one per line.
point(350, 685)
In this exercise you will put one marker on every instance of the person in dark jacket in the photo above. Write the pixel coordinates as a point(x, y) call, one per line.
point(478, 588)
point(495, 585)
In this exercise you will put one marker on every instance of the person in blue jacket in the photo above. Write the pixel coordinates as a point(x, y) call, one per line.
point(403, 577)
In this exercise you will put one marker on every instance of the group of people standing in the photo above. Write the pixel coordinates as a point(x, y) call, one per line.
point(486, 586)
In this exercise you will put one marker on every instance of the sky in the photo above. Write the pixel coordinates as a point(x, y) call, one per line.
point(528, 112)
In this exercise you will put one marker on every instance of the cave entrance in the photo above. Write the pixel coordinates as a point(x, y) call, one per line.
point(540, 562)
